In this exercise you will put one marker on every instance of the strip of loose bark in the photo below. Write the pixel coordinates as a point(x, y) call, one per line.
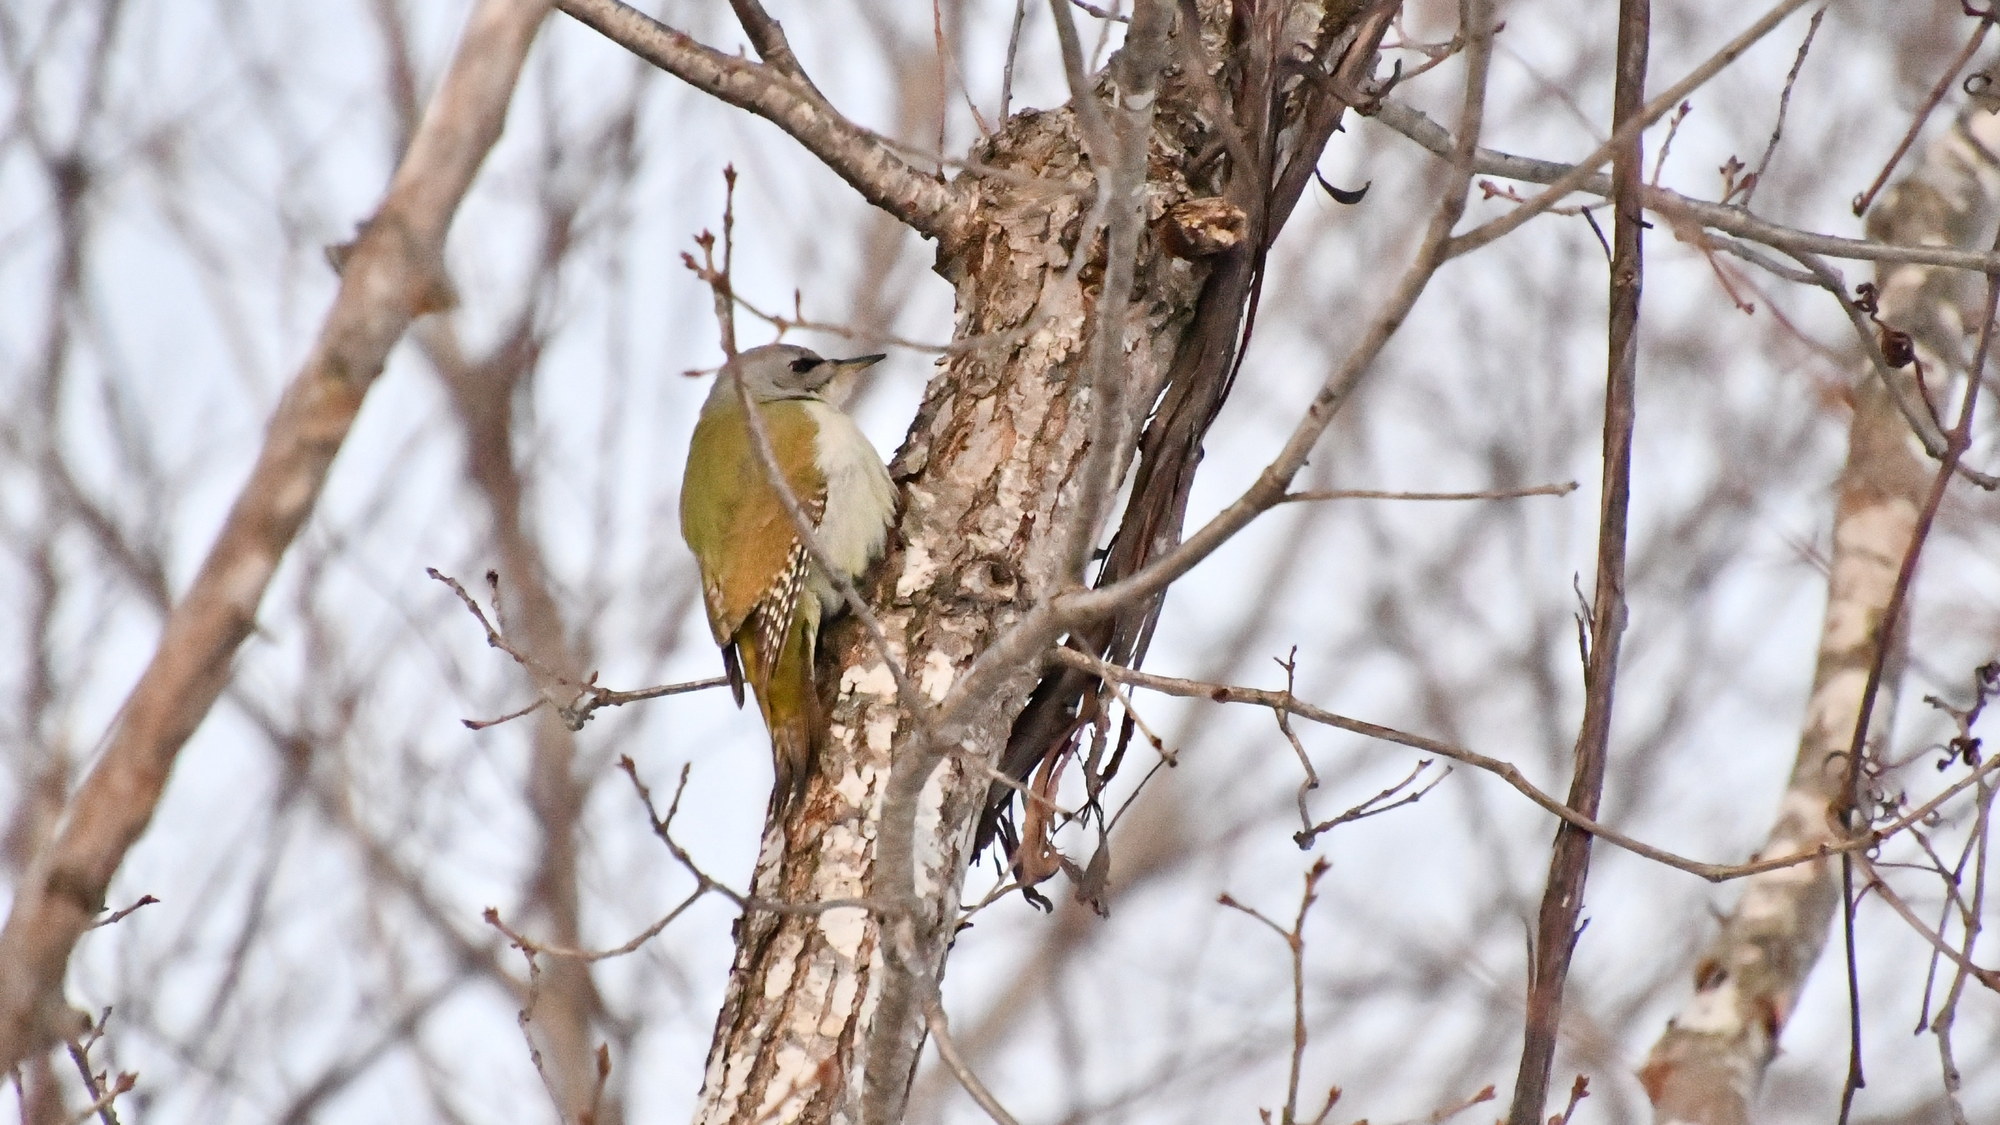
point(1557, 927)
point(1707, 1066)
point(392, 272)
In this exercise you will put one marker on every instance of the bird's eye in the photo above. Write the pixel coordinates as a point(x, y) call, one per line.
point(807, 364)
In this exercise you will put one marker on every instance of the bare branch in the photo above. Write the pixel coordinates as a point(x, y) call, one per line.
point(1930, 103)
point(947, 1049)
point(585, 697)
point(1506, 771)
point(663, 830)
point(1881, 889)
point(924, 202)
point(1801, 245)
point(1392, 797)
point(1563, 489)
point(1417, 126)
point(1756, 177)
point(1626, 134)
point(1559, 921)
point(1295, 943)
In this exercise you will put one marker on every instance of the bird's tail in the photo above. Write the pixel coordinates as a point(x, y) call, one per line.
point(783, 684)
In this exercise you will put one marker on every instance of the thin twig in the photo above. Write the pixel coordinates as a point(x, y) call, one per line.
point(704, 882)
point(799, 322)
point(521, 941)
point(102, 1093)
point(1376, 805)
point(1756, 177)
point(948, 1053)
point(725, 297)
point(1562, 489)
point(1623, 136)
point(1578, 1090)
point(1667, 143)
point(1484, 1095)
point(1877, 886)
point(586, 696)
point(524, 1018)
point(1506, 771)
point(1972, 920)
point(121, 915)
point(1930, 103)
point(1311, 782)
point(1100, 13)
point(1295, 943)
point(949, 74)
point(100, 1106)
point(1013, 52)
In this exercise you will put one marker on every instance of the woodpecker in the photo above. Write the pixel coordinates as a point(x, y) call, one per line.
point(765, 593)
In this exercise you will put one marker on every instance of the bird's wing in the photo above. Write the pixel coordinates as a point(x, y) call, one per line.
point(742, 537)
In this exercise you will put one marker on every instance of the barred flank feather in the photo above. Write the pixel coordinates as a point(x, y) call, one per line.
point(773, 614)
point(781, 676)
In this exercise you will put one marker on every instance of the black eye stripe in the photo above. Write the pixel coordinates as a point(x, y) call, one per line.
point(807, 364)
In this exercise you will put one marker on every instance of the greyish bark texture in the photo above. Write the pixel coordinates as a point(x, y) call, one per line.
point(1707, 1067)
point(826, 1009)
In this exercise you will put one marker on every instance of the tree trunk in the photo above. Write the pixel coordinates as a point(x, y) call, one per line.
point(827, 1007)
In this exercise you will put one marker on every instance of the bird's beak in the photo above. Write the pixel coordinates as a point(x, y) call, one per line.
point(857, 363)
point(841, 375)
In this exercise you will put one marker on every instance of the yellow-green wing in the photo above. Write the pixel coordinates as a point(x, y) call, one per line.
point(731, 515)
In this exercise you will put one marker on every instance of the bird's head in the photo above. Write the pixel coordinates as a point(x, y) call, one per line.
point(781, 371)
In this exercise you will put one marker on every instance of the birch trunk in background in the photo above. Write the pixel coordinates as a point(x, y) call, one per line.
point(1707, 1067)
point(393, 272)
